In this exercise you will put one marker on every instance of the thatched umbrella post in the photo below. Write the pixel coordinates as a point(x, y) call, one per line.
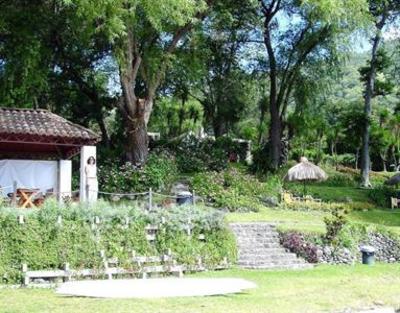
point(305, 171)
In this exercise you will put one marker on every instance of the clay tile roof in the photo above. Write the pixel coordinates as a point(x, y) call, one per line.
point(29, 123)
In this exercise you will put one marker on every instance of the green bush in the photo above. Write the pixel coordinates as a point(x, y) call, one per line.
point(235, 190)
point(381, 195)
point(334, 224)
point(158, 173)
point(195, 155)
point(42, 243)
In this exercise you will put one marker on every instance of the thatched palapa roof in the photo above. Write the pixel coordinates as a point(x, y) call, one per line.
point(305, 171)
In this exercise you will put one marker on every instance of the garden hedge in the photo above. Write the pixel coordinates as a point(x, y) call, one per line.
point(43, 242)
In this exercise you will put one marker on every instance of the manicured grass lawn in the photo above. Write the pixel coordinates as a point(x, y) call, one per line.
point(313, 221)
point(322, 289)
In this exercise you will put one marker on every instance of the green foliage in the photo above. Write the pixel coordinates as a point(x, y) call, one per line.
point(381, 195)
point(334, 224)
point(172, 117)
point(328, 207)
point(235, 190)
point(158, 173)
point(197, 155)
point(42, 243)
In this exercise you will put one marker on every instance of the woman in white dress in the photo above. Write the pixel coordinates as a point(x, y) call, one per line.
point(91, 180)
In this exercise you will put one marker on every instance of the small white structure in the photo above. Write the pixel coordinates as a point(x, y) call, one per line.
point(155, 288)
point(35, 151)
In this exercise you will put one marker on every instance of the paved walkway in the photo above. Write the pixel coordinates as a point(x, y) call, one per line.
point(154, 288)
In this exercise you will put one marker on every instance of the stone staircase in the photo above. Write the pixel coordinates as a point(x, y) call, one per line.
point(259, 248)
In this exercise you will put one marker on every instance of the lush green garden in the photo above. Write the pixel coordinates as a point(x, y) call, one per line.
point(325, 288)
point(52, 236)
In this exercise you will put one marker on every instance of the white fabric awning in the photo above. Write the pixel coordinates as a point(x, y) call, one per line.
point(28, 174)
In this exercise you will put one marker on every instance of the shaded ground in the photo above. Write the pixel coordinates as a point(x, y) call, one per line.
point(323, 289)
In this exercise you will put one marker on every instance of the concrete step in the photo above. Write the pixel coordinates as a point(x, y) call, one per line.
point(265, 256)
point(263, 250)
point(270, 261)
point(277, 267)
point(257, 237)
point(261, 245)
point(251, 242)
point(253, 229)
point(259, 248)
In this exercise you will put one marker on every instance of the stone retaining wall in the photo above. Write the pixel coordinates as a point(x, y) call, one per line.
point(387, 250)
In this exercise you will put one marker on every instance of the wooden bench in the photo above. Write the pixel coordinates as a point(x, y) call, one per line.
point(142, 266)
point(288, 198)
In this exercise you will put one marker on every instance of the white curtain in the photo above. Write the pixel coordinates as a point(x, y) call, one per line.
point(28, 174)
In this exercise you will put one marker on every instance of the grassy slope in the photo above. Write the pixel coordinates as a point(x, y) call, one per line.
point(320, 289)
point(337, 194)
point(313, 221)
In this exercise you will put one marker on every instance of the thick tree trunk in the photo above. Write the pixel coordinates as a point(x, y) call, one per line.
point(219, 127)
point(356, 156)
point(275, 137)
point(137, 141)
point(136, 126)
point(275, 134)
point(369, 93)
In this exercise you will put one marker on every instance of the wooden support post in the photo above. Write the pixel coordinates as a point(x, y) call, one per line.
point(14, 197)
point(189, 227)
point(109, 275)
point(67, 272)
point(24, 272)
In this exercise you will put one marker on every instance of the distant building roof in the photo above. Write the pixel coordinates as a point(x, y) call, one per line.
point(29, 133)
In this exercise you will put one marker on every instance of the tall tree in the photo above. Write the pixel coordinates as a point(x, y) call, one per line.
point(143, 36)
point(46, 63)
point(296, 33)
point(383, 12)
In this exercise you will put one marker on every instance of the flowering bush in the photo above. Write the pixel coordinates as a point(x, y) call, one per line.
point(296, 243)
point(158, 173)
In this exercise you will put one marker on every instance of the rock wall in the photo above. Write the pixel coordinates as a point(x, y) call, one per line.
point(387, 250)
